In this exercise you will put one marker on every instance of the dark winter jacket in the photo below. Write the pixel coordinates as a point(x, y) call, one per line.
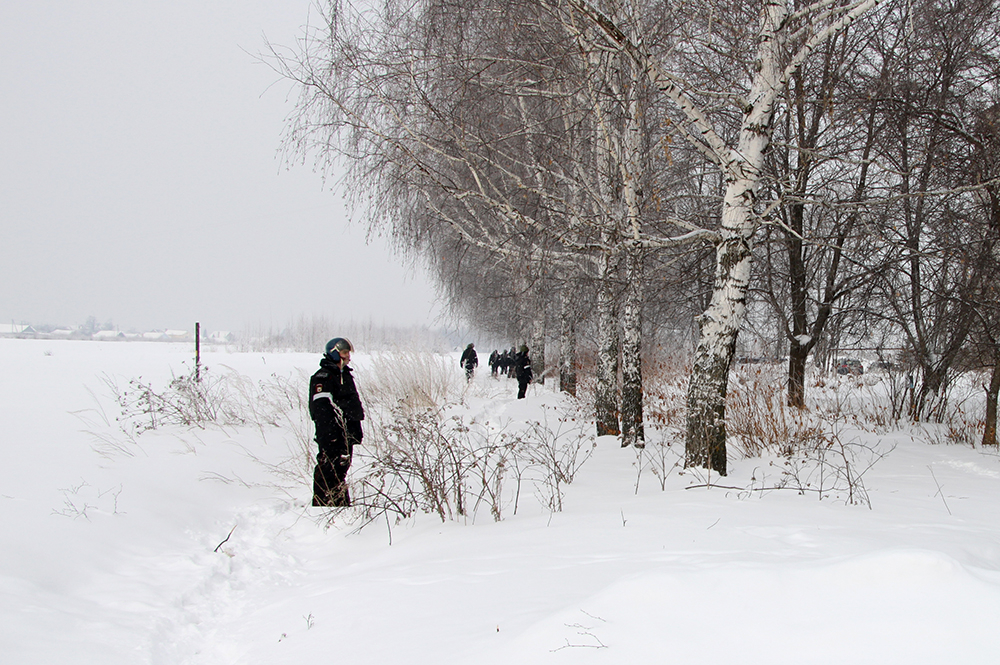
point(335, 407)
point(522, 367)
point(469, 359)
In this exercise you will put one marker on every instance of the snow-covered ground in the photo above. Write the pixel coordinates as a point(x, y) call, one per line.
point(117, 555)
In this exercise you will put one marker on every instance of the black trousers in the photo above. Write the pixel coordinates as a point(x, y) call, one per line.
point(522, 386)
point(330, 480)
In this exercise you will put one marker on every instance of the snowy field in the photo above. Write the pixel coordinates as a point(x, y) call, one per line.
point(115, 551)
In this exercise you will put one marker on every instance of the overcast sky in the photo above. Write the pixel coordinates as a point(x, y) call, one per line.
point(140, 180)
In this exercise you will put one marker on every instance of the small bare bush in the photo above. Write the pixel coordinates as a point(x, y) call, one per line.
point(185, 401)
point(660, 457)
point(832, 468)
point(214, 399)
point(962, 427)
point(665, 385)
point(425, 452)
point(227, 398)
point(964, 417)
point(871, 403)
point(424, 460)
point(439, 461)
point(557, 445)
point(807, 446)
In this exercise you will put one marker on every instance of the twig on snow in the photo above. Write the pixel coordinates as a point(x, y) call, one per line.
point(940, 492)
point(224, 541)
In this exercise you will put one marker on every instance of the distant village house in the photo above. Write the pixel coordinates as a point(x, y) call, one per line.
point(16, 330)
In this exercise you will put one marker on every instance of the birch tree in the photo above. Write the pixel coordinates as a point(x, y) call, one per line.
point(785, 39)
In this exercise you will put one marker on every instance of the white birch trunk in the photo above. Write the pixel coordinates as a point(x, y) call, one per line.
point(567, 344)
point(633, 433)
point(606, 390)
point(705, 443)
point(537, 345)
point(606, 395)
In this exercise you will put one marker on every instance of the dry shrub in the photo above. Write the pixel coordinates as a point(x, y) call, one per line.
point(759, 419)
point(439, 461)
point(423, 451)
point(664, 385)
point(830, 466)
point(964, 414)
point(871, 404)
point(813, 454)
point(422, 460)
point(220, 399)
point(223, 398)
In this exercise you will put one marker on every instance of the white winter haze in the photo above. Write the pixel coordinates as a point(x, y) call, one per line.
point(142, 180)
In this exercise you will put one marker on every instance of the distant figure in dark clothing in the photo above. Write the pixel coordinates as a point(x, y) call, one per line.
point(509, 357)
point(336, 410)
point(522, 371)
point(469, 361)
point(494, 363)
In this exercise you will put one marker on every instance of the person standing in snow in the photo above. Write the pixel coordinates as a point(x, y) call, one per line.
point(522, 370)
point(494, 363)
point(336, 410)
point(469, 361)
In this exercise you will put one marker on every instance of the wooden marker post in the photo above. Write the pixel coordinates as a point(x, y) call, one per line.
point(197, 351)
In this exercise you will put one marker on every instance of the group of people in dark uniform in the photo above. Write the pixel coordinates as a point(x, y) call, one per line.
point(336, 410)
point(514, 364)
point(502, 362)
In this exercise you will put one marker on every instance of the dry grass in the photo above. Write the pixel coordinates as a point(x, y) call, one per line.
point(412, 380)
point(758, 418)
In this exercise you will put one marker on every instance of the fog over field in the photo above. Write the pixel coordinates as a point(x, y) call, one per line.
point(144, 183)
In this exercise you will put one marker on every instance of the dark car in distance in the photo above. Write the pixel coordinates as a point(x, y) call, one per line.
point(850, 366)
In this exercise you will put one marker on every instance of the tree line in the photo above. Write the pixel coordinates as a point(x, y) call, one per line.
point(616, 172)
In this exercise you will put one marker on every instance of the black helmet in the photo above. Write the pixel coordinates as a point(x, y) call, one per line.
point(336, 345)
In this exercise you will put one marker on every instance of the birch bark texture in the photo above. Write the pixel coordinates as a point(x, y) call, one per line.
point(633, 433)
point(567, 343)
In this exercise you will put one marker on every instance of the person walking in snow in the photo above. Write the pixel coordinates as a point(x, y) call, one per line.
point(507, 362)
point(494, 363)
point(335, 408)
point(469, 361)
point(522, 370)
